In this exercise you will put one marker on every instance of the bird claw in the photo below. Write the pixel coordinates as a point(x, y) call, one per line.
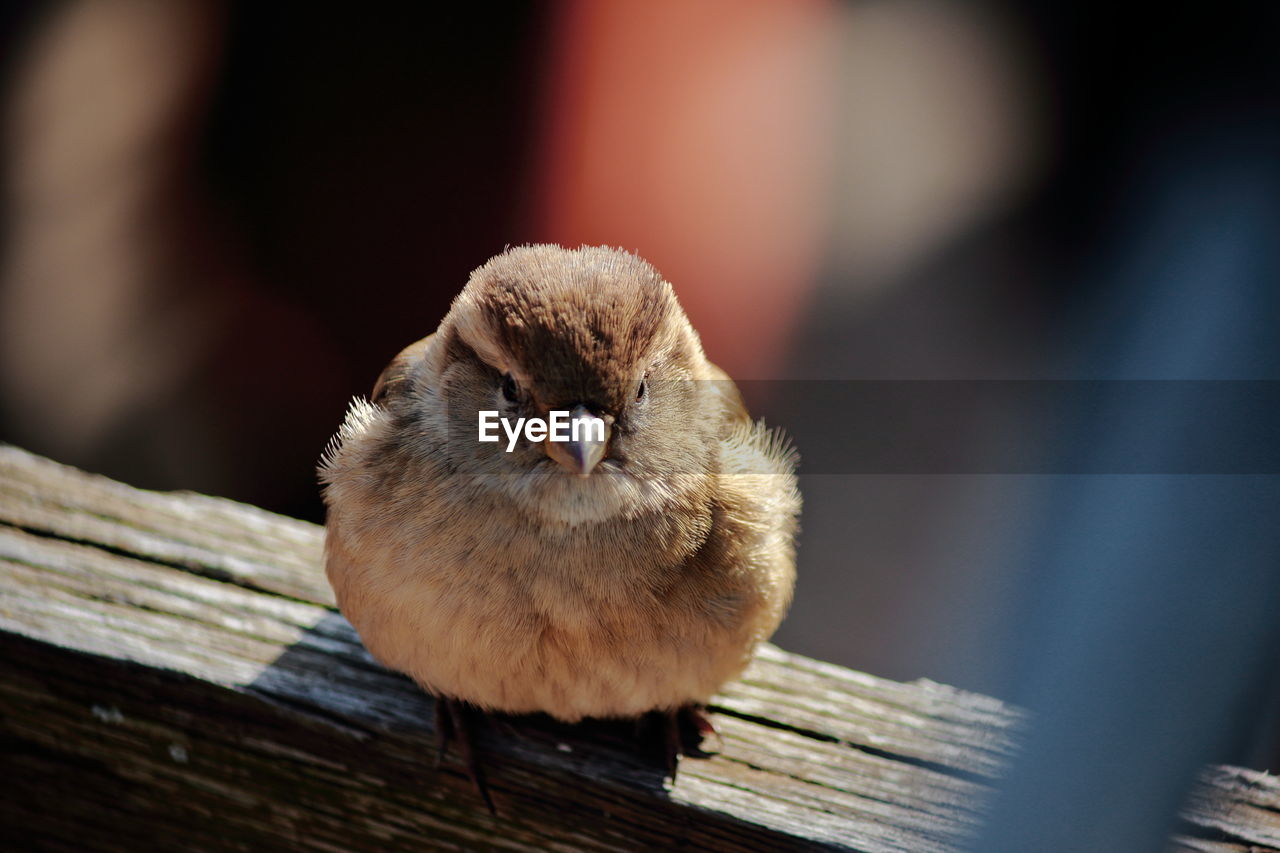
point(452, 724)
point(680, 732)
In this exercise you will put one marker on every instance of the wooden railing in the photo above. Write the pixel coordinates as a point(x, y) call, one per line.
point(175, 676)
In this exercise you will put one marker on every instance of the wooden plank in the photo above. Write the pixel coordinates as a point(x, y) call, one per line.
point(235, 666)
point(173, 668)
point(1183, 844)
point(213, 537)
point(1237, 804)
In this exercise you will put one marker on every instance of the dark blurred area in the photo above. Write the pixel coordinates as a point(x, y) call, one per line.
point(221, 219)
point(224, 219)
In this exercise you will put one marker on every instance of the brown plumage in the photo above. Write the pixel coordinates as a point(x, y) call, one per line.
point(607, 583)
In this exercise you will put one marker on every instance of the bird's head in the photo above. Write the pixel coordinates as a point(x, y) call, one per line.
point(598, 334)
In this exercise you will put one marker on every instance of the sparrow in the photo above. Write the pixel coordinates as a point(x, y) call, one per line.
point(630, 569)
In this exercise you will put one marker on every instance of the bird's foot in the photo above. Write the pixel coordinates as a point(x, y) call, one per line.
point(452, 723)
point(680, 732)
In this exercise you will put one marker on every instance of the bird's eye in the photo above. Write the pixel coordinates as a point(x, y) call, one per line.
point(642, 389)
point(510, 392)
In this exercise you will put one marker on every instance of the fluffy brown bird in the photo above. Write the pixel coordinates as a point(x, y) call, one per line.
point(619, 574)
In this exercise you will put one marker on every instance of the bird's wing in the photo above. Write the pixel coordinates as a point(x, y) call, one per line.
point(394, 376)
point(735, 409)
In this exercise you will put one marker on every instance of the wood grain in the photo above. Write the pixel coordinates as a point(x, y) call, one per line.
point(174, 675)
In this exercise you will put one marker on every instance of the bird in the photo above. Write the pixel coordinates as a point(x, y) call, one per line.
point(629, 572)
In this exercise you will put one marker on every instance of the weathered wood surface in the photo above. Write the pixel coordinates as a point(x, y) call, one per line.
point(174, 675)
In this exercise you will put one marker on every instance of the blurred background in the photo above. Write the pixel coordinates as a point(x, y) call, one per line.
point(911, 229)
point(222, 219)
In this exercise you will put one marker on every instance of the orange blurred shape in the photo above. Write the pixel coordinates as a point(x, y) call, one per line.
point(698, 134)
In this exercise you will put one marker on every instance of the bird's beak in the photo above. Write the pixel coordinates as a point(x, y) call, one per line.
point(587, 444)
